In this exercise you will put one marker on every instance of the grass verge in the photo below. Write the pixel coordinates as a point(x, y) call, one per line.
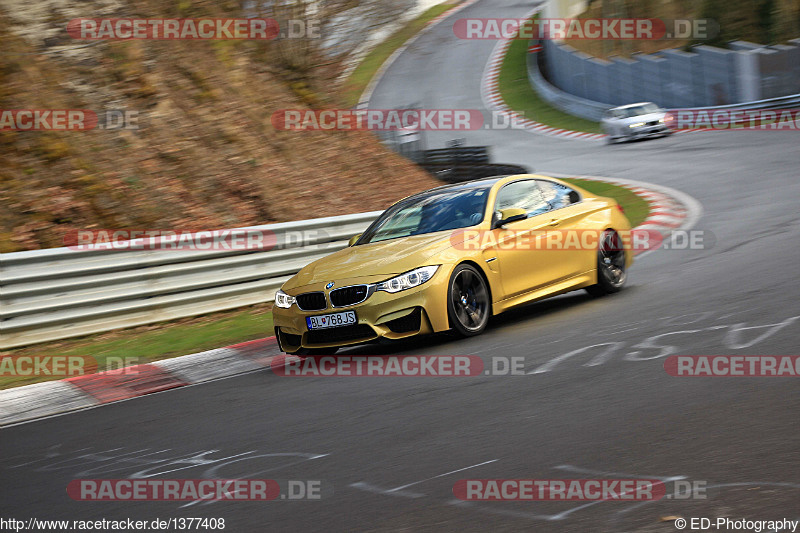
point(518, 94)
point(363, 73)
point(635, 207)
point(150, 343)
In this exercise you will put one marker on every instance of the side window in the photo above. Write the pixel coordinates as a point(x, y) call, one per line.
point(557, 195)
point(523, 195)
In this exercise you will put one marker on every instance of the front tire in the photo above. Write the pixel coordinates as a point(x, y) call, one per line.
point(468, 302)
point(611, 269)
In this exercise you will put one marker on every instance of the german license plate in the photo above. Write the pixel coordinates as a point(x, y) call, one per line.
point(331, 321)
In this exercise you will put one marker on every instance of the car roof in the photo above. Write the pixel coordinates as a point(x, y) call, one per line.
point(482, 182)
point(630, 105)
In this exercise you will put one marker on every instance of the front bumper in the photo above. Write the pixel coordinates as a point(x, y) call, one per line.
point(648, 131)
point(403, 314)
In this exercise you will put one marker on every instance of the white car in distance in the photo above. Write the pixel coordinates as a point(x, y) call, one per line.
point(635, 121)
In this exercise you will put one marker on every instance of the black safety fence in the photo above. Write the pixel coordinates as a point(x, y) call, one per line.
point(459, 173)
point(456, 156)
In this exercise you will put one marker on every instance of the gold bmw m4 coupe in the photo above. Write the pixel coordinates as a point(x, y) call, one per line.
point(451, 257)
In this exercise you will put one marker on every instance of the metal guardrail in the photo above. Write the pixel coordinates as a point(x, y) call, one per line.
point(60, 293)
point(782, 102)
point(593, 110)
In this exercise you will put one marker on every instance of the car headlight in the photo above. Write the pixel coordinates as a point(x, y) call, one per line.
point(662, 120)
point(409, 280)
point(636, 125)
point(283, 300)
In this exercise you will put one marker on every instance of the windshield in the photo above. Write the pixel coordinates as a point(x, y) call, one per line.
point(434, 211)
point(643, 109)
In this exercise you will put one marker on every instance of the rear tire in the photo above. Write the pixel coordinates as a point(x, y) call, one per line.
point(611, 269)
point(468, 303)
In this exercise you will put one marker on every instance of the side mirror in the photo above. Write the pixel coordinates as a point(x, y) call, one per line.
point(506, 216)
point(353, 240)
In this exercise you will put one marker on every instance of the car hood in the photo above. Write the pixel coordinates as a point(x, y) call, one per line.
point(643, 118)
point(378, 260)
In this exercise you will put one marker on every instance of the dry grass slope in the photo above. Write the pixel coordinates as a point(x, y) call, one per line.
point(205, 155)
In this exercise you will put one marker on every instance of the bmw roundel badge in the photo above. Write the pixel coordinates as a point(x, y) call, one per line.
point(329, 285)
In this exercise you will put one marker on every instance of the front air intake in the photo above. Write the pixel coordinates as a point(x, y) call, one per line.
point(352, 295)
point(311, 301)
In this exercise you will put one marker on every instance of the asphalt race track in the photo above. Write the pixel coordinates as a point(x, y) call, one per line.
point(595, 400)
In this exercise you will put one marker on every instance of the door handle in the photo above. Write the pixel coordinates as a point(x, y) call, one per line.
point(554, 222)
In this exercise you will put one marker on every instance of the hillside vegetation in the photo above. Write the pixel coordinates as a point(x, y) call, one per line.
point(205, 155)
point(757, 21)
